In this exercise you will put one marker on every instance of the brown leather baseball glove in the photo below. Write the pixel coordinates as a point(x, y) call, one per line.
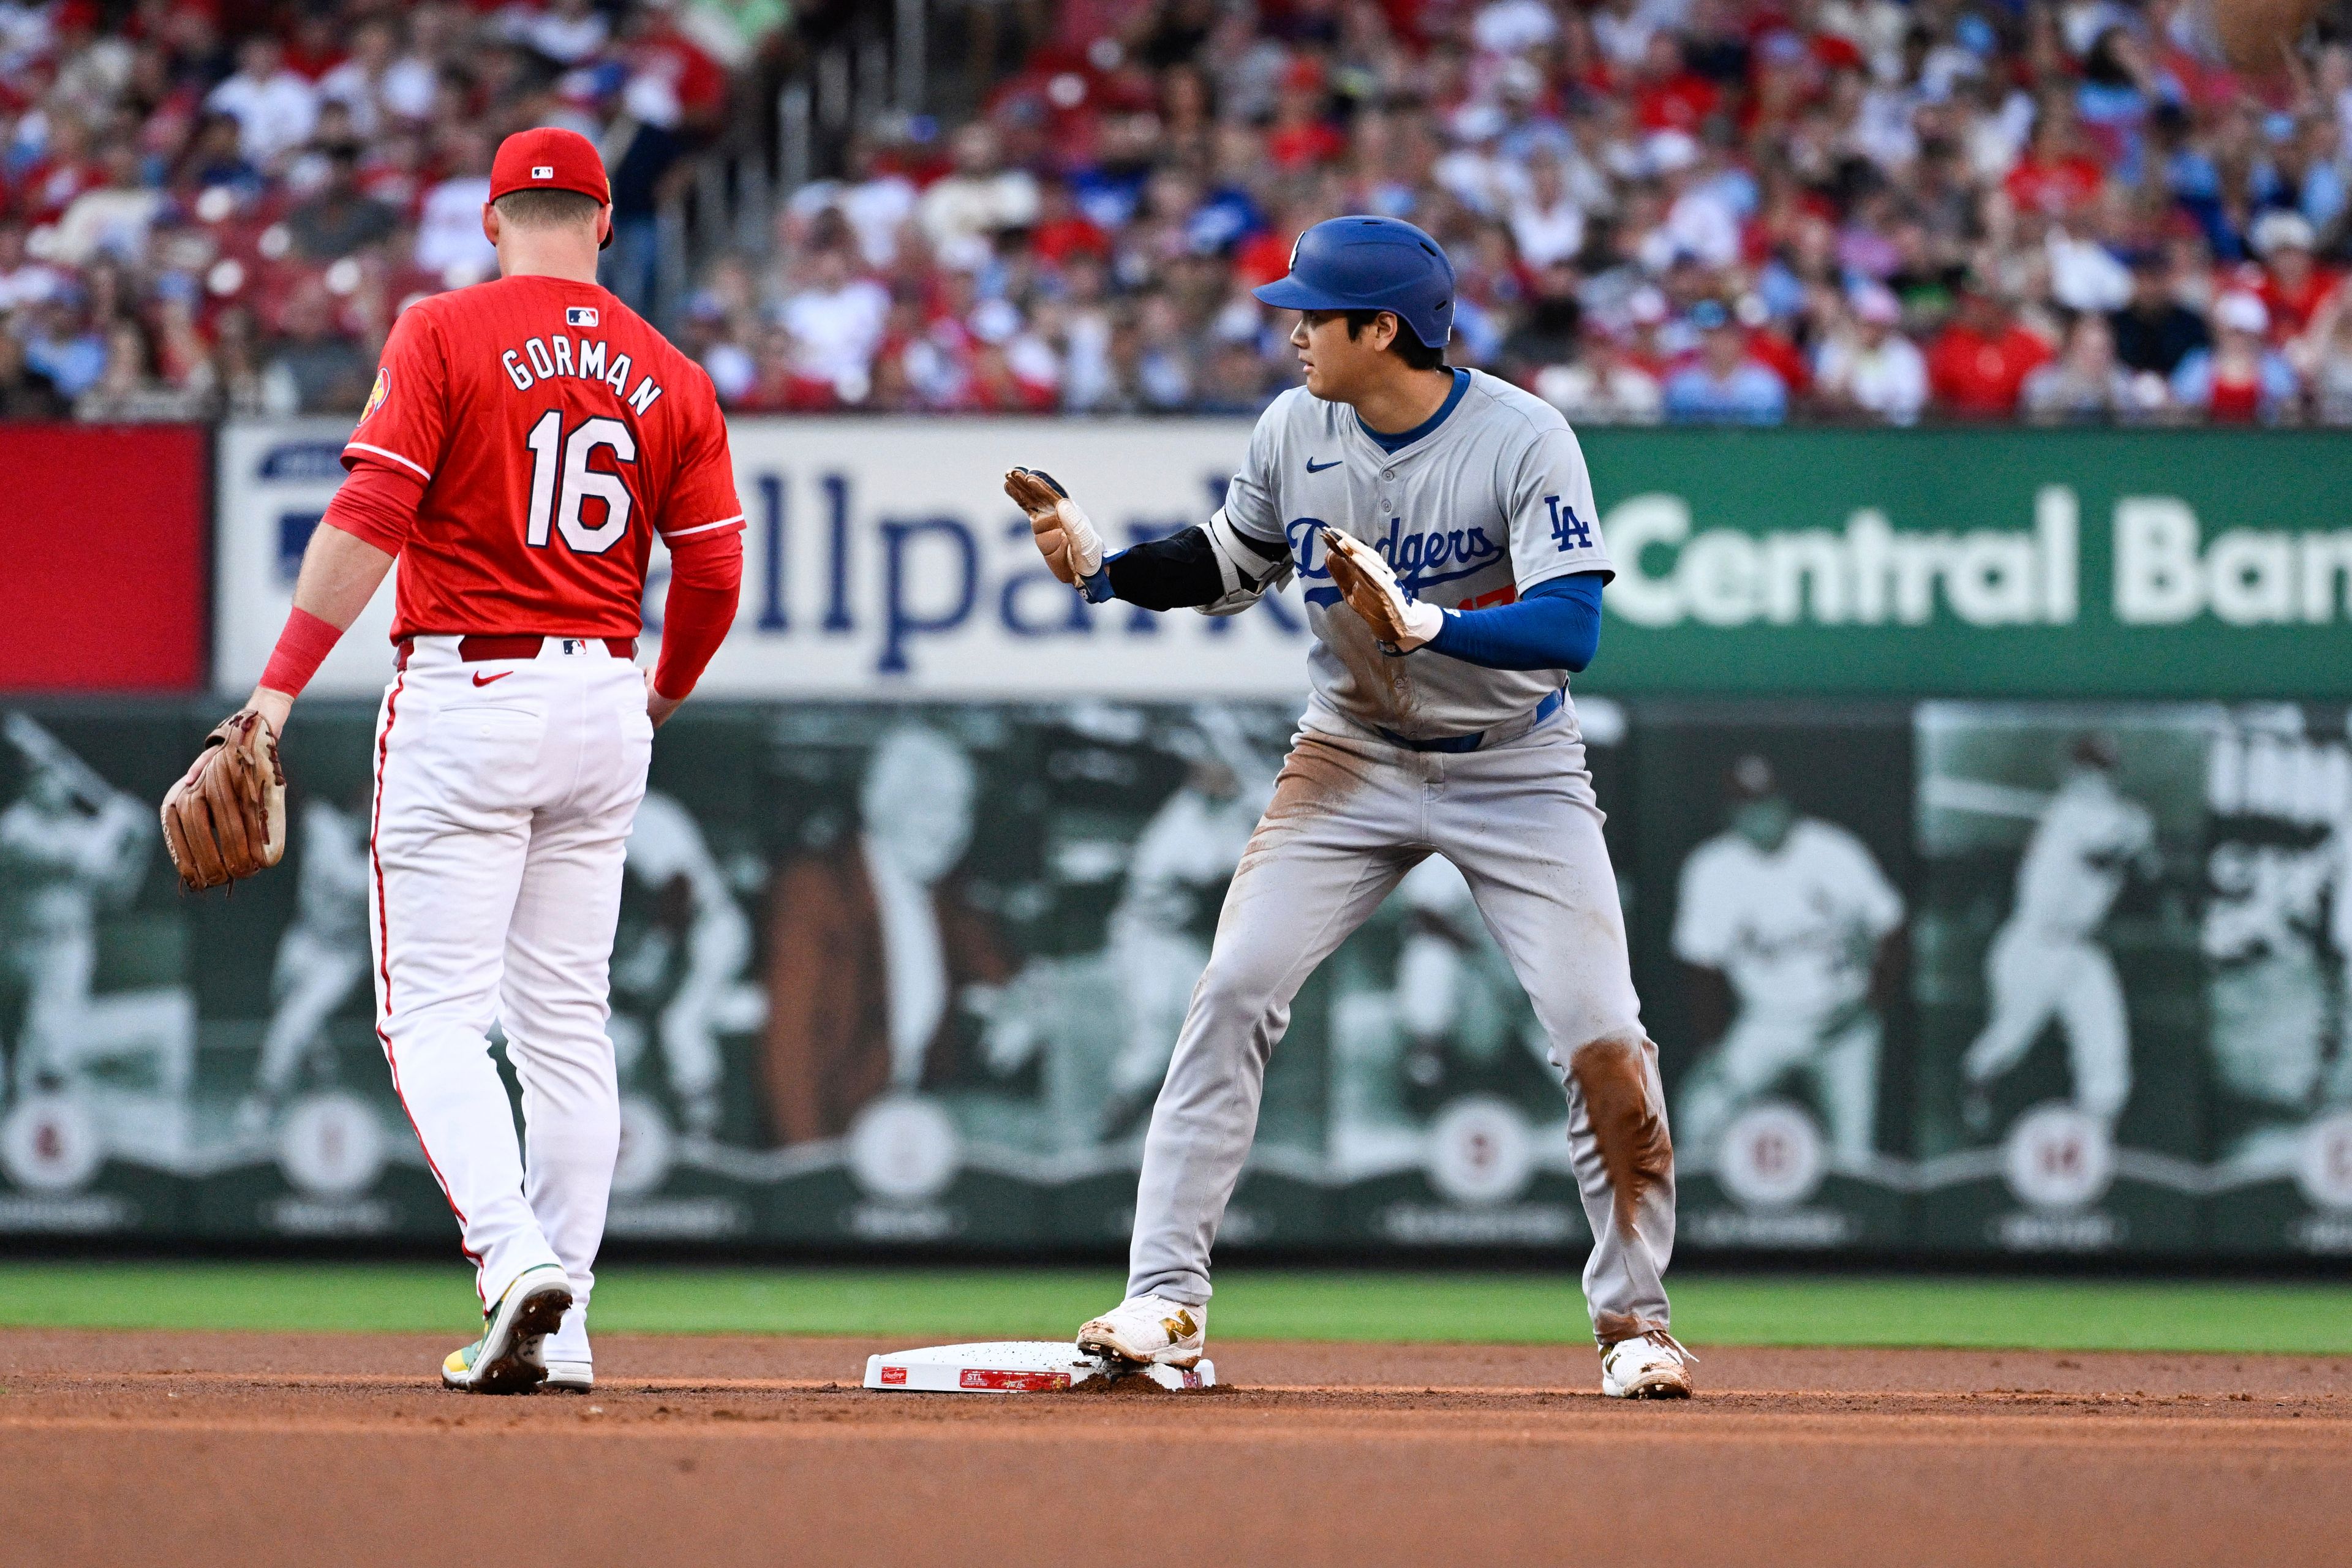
point(1372, 590)
point(226, 818)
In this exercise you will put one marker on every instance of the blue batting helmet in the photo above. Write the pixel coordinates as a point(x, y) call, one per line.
point(1370, 264)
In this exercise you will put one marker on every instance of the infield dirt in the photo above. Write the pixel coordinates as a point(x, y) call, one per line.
point(253, 1449)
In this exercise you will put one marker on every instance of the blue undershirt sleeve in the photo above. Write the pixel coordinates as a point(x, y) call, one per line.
point(1555, 627)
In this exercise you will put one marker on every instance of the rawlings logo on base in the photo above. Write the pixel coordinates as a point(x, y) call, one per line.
point(995, 1381)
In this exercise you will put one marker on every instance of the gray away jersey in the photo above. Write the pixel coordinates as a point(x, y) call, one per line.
point(1492, 502)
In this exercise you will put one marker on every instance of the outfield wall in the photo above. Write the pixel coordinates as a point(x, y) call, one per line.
point(1918, 633)
point(1410, 1104)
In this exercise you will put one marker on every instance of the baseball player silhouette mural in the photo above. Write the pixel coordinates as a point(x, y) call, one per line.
point(2046, 962)
point(698, 913)
point(526, 440)
point(874, 954)
point(1442, 525)
point(1785, 922)
point(71, 846)
point(322, 958)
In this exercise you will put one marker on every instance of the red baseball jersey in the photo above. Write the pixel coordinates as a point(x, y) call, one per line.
point(556, 433)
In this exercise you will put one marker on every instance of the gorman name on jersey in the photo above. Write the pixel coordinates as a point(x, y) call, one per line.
point(544, 359)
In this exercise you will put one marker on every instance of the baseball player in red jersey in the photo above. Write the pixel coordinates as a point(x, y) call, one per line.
point(526, 440)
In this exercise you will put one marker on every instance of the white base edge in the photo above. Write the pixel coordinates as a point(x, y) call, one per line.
point(1017, 1366)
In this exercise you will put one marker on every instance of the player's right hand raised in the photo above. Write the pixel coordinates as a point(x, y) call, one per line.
point(1066, 537)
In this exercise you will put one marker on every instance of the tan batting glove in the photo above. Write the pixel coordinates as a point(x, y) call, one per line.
point(1372, 590)
point(1066, 535)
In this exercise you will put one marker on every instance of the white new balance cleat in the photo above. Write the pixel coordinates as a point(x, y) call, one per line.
point(507, 1359)
point(1149, 1330)
point(1652, 1365)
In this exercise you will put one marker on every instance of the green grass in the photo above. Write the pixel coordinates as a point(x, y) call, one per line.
point(934, 1304)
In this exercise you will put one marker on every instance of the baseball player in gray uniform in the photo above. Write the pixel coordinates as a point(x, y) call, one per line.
point(1441, 522)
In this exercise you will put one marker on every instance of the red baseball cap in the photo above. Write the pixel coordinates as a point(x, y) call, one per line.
point(549, 159)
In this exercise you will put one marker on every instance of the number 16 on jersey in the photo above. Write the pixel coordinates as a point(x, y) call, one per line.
point(555, 457)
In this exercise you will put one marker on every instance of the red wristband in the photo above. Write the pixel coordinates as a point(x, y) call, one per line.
point(302, 647)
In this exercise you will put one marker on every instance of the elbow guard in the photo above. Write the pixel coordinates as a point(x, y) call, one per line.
point(1246, 568)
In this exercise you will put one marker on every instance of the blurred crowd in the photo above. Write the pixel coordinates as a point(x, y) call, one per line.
point(1682, 210)
point(214, 207)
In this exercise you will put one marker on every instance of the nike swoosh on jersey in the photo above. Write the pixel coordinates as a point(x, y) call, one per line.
point(1315, 468)
point(486, 679)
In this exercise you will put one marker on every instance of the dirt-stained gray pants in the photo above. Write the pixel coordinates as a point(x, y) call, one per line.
point(1352, 813)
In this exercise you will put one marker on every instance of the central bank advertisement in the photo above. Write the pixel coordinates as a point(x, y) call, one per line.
point(884, 562)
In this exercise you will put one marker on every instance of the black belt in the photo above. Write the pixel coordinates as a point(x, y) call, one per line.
point(1472, 741)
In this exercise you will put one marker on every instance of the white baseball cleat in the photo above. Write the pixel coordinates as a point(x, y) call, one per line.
point(1652, 1365)
point(571, 1365)
point(507, 1359)
point(1149, 1330)
point(565, 1377)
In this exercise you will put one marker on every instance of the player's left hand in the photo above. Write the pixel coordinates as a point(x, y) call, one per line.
point(1372, 591)
point(657, 707)
point(226, 818)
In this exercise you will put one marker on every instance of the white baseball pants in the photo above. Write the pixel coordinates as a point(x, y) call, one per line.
point(504, 794)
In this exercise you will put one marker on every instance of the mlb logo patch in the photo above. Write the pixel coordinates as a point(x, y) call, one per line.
point(542, 171)
point(580, 315)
